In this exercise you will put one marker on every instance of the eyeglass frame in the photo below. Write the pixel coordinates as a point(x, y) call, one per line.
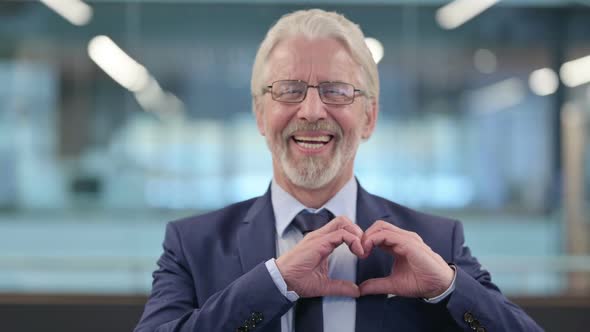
point(317, 87)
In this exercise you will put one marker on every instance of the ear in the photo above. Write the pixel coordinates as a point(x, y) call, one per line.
point(371, 115)
point(259, 115)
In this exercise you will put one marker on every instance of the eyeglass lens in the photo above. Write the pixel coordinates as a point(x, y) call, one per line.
point(330, 92)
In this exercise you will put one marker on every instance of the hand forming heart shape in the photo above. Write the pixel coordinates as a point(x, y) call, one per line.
point(417, 272)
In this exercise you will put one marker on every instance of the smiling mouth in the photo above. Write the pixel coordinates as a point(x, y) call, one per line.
point(312, 142)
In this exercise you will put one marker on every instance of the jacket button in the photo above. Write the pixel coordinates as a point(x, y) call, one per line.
point(247, 325)
point(257, 317)
point(252, 322)
point(468, 317)
point(474, 325)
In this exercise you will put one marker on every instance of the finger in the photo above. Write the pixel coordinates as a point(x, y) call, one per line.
point(341, 222)
point(377, 286)
point(388, 239)
point(341, 288)
point(332, 240)
point(378, 238)
point(352, 241)
point(383, 225)
point(411, 234)
point(377, 226)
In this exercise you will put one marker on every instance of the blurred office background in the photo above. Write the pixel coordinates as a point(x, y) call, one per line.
point(117, 116)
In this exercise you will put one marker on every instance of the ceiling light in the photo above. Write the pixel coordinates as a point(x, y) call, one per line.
point(75, 11)
point(376, 48)
point(458, 12)
point(117, 64)
point(544, 81)
point(485, 61)
point(576, 72)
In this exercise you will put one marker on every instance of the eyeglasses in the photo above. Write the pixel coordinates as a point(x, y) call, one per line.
point(295, 91)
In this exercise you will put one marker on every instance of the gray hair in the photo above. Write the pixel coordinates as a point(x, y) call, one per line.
point(312, 24)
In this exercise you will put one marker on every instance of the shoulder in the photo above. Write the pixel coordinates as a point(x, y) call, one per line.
point(412, 216)
point(439, 232)
point(220, 222)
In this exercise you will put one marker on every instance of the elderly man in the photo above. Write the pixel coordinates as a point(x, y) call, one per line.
point(317, 252)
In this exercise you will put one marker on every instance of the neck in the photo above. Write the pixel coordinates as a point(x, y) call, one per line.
point(313, 198)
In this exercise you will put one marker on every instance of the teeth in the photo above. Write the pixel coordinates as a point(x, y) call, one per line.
point(310, 145)
point(323, 139)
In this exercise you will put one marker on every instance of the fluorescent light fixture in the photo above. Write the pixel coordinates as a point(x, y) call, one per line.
point(544, 81)
point(499, 96)
point(150, 96)
point(458, 12)
point(576, 72)
point(117, 64)
point(153, 99)
point(75, 11)
point(376, 48)
point(485, 61)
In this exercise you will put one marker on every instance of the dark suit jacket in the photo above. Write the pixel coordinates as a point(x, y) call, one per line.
point(212, 276)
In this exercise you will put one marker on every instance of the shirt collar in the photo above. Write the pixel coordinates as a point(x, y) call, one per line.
point(286, 207)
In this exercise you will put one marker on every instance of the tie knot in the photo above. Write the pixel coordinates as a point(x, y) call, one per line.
point(307, 221)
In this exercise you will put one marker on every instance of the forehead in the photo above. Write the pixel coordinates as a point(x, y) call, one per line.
point(321, 59)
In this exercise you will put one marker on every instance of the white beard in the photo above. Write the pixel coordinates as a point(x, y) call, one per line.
point(313, 172)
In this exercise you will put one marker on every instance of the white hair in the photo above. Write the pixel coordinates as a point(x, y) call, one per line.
point(313, 24)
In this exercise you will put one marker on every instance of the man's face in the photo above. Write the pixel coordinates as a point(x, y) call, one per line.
point(312, 143)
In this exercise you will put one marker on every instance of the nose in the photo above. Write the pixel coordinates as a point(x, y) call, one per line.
point(312, 108)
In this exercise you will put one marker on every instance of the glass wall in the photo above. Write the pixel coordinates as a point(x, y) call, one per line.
point(92, 168)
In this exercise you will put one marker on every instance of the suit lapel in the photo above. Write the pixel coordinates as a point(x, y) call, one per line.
point(257, 234)
point(257, 240)
point(370, 309)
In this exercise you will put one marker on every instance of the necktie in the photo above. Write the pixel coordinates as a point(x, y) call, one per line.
point(308, 311)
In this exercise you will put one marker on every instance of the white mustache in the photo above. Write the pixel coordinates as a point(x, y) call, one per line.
point(295, 126)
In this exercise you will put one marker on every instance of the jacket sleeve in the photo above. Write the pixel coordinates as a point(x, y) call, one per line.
point(476, 302)
point(247, 304)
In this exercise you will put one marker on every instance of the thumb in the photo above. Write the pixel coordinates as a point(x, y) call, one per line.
point(341, 288)
point(377, 286)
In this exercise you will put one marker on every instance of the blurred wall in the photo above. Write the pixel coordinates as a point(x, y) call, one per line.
point(478, 123)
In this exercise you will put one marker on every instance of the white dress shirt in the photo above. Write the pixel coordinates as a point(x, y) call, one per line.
point(339, 312)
